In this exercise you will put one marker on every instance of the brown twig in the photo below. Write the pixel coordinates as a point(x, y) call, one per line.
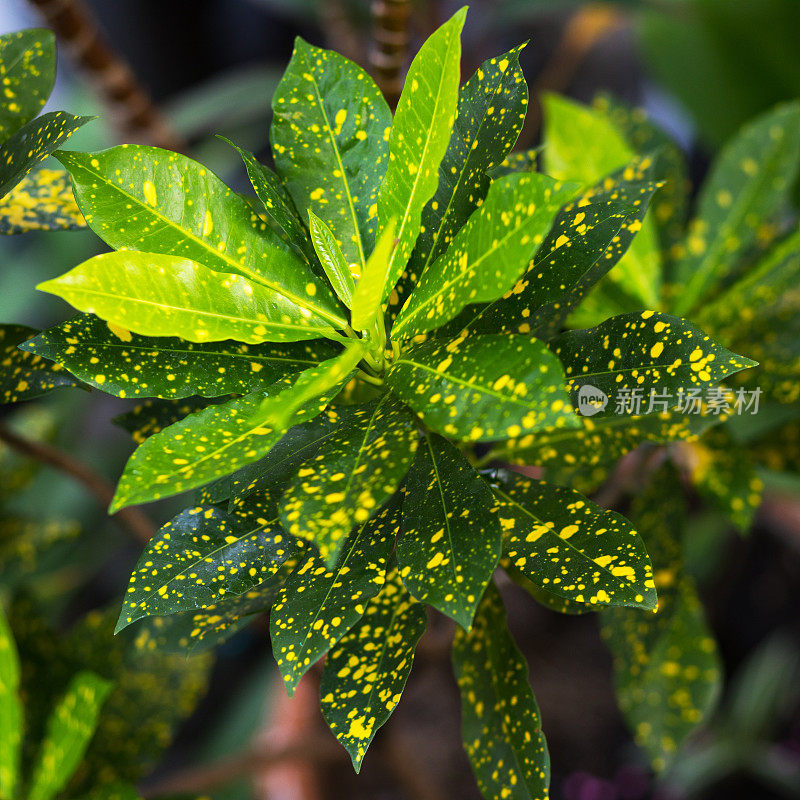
point(131, 519)
point(137, 116)
point(390, 39)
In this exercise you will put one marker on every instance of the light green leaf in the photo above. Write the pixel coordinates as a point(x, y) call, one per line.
point(221, 438)
point(155, 201)
point(643, 353)
point(41, 201)
point(500, 722)
point(366, 671)
point(583, 145)
point(27, 73)
point(165, 367)
point(419, 139)
point(317, 605)
point(69, 729)
point(488, 254)
point(331, 258)
point(351, 475)
point(330, 133)
point(571, 547)
point(483, 388)
point(160, 295)
point(368, 293)
point(450, 543)
point(11, 712)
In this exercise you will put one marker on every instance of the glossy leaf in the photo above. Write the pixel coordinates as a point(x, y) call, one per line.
point(164, 367)
point(11, 711)
point(647, 352)
point(419, 139)
point(32, 143)
point(317, 605)
point(26, 375)
point(69, 730)
point(450, 542)
point(571, 547)
point(41, 201)
point(500, 722)
point(352, 474)
point(491, 111)
point(201, 556)
point(162, 295)
point(666, 667)
point(332, 259)
point(582, 145)
point(221, 438)
point(330, 133)
point(488, 254)
point(153, 416)
point(749, 183)
point(483, 388)
point(368, 293)
point(27, 72)
point(366, 671)
point(151, 200)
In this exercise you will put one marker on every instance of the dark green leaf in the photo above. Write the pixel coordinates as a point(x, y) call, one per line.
point(32, 143)
point(500, 722)
point(143, 366)
point(69, 729)
point(488, 254)
point(317, 605)
point(25, 375)
point(11, 712)
point(483, 388)
point(643, 354)
point(153, 416)
point(366, 672)
point(450, 542)
point(351, 475)
point(41, 201)
point(28, 546)
point(221, 438)
point(27, 72)
point(419, 139)
point(571, 547)
point(330, 133)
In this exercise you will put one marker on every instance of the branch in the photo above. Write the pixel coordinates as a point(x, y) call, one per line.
point(131, 519)
point(75, 26)
point(387, 56)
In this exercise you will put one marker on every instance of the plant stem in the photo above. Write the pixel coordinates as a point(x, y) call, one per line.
point(132, 519)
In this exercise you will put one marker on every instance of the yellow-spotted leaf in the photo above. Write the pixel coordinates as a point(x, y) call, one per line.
point(151, 200)
point(330, 134)
point(317, 605)
point(32, 143)
point(163, 295)
point(126, 364)
point(11, 712)
point(634, 357)
point(366, 672)
point(749, 184)
point(153, 416)
point(221, 438)
point(332, 259)
point(419, 139)
point(483, 388)
point(571, 547)
point(201, 556)
point(41, 201)
point(351, 475)
point(27, 73)
point(450, 542)
point(488, 254)
point(69, 730)
point(26, 375)
point(666, 666)
point(500, 722)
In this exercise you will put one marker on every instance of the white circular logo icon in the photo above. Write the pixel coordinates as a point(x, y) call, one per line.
point(591, 400)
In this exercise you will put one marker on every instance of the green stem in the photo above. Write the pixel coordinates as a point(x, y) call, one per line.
point(374, 380)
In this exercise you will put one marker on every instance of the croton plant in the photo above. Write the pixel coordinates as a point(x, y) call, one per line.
point(343, 367)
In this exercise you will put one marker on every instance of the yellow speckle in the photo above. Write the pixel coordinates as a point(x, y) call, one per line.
point(150, 193)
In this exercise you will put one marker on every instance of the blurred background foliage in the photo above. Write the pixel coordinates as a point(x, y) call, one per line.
point(700, 69)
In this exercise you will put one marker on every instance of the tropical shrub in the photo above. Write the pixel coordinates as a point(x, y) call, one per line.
point(341, 366)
